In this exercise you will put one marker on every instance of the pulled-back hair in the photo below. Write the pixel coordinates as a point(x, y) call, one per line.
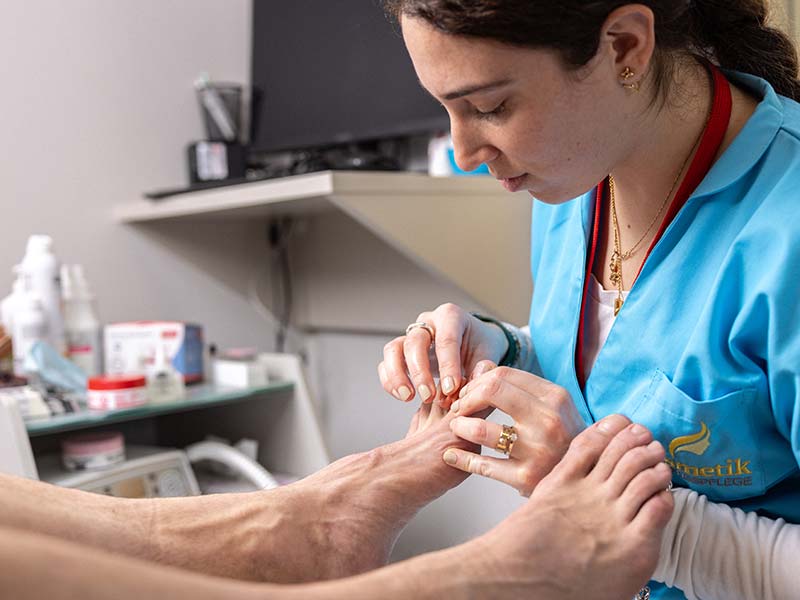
point(733, 34)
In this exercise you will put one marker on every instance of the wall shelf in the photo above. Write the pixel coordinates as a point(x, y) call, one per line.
point(465, 231)
point(197, 397)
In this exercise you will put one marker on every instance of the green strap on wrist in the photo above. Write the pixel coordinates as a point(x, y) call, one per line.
point(514, 348)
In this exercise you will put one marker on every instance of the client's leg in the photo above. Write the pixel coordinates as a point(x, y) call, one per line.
point(591, 528)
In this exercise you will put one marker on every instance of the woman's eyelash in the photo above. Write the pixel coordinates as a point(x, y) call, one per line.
point(491, 113)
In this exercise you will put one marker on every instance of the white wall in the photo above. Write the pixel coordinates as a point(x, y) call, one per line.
point(97, 106)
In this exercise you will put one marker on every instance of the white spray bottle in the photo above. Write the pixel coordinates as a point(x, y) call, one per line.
point(29, 325)
point(42, 269)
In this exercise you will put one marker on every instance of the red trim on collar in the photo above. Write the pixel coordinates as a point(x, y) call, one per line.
point(710, 143)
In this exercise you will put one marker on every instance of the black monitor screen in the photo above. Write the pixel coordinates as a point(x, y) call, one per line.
point(333, 71)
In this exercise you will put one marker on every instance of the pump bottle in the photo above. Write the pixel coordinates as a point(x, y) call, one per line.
point(41, 268)
point(29, 326)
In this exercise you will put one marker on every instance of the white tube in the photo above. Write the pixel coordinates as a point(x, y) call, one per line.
point(234, 459)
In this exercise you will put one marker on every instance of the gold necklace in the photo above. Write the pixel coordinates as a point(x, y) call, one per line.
point(618, 255)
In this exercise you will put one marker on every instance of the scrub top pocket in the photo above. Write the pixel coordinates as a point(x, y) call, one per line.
point(712, 445)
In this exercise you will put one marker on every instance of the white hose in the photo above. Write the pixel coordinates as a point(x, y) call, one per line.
point(233, 458)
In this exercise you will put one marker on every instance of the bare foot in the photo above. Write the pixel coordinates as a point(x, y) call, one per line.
point(353, 511)
point(592, 528)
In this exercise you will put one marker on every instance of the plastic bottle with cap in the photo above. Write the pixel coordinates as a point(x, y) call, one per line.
point(42, 269)
point(81, 325)
point(29, 325)
point(164, 383)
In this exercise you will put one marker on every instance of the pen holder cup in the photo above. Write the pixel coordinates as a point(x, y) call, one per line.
point(221, 109)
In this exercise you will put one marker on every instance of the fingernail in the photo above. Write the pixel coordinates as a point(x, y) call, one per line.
point(637, 429)
point(454, 406)
point(450, 457)
point(396, 394)
point(448, 385)
point(463, 392)
point(404, 392)
point(424, 392)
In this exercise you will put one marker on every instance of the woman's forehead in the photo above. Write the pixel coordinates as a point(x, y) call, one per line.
point(449, 63)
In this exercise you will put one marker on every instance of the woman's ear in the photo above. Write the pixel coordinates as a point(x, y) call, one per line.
point(628, 35)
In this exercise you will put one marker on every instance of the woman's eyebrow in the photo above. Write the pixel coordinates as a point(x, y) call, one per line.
point(472, 89)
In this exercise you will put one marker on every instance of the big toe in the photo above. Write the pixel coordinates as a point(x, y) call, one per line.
point(587, 447)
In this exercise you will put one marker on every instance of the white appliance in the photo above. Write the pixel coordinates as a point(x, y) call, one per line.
point(147, 472)
point(16, 456)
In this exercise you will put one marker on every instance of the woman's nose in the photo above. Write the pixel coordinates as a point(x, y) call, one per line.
point(469, 150)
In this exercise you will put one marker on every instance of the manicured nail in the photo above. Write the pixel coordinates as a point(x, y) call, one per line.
point(396, 394)
point(424, 392)
point(450, 457)
point(454, 406)
point(637, 429)
point(404, 392)
point(463, 392)
point(448, 385)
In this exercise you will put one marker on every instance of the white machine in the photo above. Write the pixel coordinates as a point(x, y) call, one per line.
point(146, 473)
point(16, 456)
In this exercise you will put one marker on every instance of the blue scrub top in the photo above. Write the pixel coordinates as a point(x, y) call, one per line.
point(706, 349)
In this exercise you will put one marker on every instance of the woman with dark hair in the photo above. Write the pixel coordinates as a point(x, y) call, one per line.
point(661, 142)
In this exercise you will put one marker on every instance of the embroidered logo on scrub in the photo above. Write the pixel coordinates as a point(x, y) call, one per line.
point(734, 471)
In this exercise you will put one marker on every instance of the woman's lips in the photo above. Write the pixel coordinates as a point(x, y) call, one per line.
point(514, 184)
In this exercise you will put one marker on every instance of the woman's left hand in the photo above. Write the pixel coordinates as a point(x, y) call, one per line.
point(545, 422)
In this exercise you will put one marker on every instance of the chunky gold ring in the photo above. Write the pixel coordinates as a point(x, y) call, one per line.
point(505, 443)
point(422, 325)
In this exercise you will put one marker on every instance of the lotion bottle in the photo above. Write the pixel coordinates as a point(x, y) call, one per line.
point(30, 325)
point(81, 326)
point(42, 270)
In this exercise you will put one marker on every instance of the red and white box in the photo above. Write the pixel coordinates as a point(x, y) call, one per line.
point(131, 347)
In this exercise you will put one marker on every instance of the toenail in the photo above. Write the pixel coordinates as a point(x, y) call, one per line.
point(604, 425)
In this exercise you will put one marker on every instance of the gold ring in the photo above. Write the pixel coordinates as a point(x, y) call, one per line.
point(422, 325)
point(505, 443)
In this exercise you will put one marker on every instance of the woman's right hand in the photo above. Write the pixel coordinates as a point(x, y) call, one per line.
point(410, 362)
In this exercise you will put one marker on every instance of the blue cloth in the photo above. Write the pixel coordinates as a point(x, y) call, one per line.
point(706, 350)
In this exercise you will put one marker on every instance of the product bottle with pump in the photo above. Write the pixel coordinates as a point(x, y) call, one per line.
point(41, 267)
point(30, 325)
point(164, 383)
point(81, 325)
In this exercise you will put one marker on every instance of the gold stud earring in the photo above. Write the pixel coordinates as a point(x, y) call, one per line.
point(626, 75)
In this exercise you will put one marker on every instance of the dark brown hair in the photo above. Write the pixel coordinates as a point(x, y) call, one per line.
point(733, 34)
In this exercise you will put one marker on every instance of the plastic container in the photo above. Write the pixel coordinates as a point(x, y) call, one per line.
point(81, 325)
point(112, 392)
point(164, 383)
point(42, 269)
point(30, 325)
point(93, 451)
